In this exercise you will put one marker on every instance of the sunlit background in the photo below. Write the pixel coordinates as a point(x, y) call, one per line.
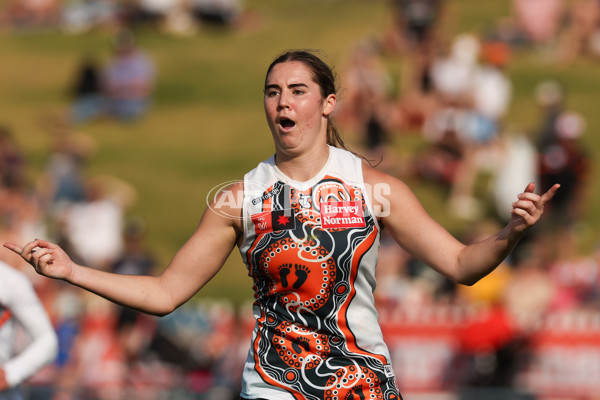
point(467, 101)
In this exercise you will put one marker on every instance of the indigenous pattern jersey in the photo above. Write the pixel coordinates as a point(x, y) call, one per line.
point(311, 249)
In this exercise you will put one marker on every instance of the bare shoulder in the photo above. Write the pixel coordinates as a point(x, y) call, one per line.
point(374, 178)
point(371, 174)
point(226, 204)
point(390, 195)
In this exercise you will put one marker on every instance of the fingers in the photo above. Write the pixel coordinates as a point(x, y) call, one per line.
point(530, 206)
point(46, 258)
point(13, 247)
point(29, 249)
point(41, 255)
point(528, 200)
point(530, 187)
point(40, 258)
point(32, 248)
point(529, 194)
point(526, 215)
point(550, 193)
point(527, 204)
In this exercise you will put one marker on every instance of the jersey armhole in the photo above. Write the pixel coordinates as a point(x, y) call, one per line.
point(367, 193)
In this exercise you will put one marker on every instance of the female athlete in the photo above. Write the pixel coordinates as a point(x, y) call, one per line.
point(308, 231)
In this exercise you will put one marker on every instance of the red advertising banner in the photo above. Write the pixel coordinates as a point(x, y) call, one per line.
point(422, 342)
point(563, 362)
point(566, 357)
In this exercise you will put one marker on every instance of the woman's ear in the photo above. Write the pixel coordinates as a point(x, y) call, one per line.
point(329, 104)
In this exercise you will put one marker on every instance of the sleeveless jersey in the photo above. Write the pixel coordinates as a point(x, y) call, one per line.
point(311, 249)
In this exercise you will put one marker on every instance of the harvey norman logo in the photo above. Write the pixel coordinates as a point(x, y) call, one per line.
point(227, 199)
point(342, 214)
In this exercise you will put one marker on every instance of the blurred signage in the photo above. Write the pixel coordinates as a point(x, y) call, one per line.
point(564, 348)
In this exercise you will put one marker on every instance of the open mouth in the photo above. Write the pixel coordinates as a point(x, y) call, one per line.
point(286, 123)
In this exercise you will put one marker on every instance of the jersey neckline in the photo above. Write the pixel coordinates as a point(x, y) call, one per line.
point(303, 185)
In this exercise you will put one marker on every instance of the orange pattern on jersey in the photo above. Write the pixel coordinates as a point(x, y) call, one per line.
point(304, 285)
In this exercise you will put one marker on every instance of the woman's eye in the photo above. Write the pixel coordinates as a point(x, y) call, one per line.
point(271, 93)
point(298, 92)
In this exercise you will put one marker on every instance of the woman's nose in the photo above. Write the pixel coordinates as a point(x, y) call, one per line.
point(283, 100)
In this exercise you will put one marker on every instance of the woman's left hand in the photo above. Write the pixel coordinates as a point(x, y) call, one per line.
point(529, 207)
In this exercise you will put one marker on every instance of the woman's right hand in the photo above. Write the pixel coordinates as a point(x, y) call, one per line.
point(47, 258)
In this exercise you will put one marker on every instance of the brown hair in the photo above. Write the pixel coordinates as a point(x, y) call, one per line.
point(324, 77)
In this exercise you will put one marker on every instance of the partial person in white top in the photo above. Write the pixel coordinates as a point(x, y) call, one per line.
point(299, 97)
point(19, 305)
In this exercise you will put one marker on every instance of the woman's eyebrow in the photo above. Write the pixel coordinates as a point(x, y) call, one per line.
point(291, 86)
point(295, 85)
point(272, 86)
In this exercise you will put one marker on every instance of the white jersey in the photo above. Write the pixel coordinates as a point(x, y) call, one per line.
point(20, 305)
point(311, 248)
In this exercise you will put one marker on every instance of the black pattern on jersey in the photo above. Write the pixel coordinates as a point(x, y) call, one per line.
point(304, 282)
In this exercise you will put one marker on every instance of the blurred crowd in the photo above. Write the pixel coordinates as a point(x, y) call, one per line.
point(454, 94)
point(451, 94)
point(177, 17)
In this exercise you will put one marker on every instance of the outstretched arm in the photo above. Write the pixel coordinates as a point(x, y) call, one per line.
point(425, 239)
point(200, 258)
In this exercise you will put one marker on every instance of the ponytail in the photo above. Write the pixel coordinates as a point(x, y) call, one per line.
point(335, 139)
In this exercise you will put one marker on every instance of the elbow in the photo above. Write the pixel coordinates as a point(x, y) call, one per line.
point(163, 308)
point(162, 302)
point(468, 281)
point(468, 273)
point(162, 312)
point(159, 310)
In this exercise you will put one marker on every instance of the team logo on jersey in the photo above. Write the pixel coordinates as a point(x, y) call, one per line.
point(270, 221)
point(277, 188)
point(342, 214)
point(304, 201)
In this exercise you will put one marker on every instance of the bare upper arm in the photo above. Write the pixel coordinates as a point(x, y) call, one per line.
point(205, 252)
point(400, 211)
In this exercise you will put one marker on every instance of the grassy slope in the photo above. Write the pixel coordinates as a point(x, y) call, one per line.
point(207, 125)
